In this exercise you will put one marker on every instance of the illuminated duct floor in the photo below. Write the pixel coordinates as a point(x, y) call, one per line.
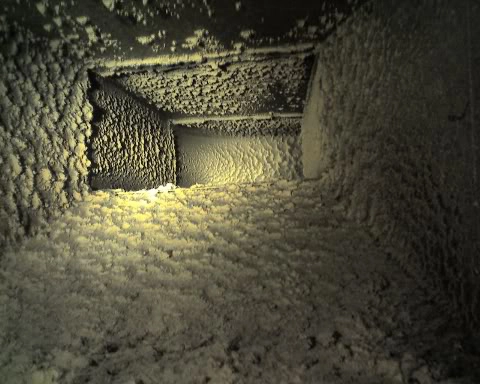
point(263, 283)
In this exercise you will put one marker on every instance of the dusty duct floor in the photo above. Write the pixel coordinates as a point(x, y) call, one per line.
point(237, 284)
point(253, 280)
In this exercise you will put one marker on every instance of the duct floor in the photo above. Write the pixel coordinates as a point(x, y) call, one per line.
point(237, 284)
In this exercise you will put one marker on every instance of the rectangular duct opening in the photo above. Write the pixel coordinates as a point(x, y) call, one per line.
point(221, 121)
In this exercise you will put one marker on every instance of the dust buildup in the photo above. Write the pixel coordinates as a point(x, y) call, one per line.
point(284, 281)
point(133, 147)
point(201, 40)
point(226, 88)
point(378, 129)
point(44, 124)
point(247, 127)
point(218, 159)
point(248, 284)
point(229, 146)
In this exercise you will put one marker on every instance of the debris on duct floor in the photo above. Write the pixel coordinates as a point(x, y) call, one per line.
point(258, 283)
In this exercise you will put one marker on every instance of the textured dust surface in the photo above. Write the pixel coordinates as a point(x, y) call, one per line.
point(132, 147)
point(249, 127)
point(228, 89)
point(383, 124)
point(221, 159)
point(44, 126)
point(238, 284)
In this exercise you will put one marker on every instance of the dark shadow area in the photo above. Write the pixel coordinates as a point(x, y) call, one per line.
point(98, 114)
point(132, 148)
